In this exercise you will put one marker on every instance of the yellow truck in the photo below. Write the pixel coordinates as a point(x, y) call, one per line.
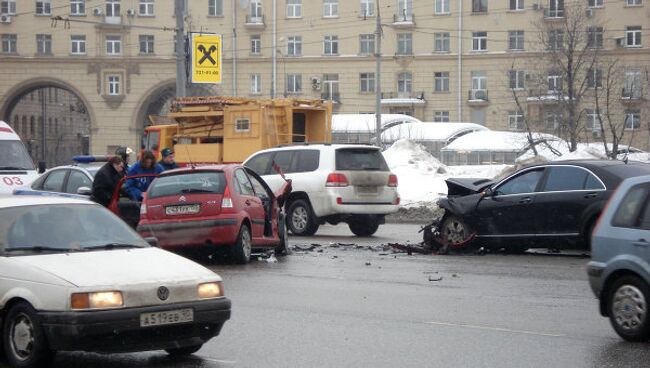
point(217, 129)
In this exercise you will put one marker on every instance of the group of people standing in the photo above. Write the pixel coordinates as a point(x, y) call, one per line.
point(108, 177)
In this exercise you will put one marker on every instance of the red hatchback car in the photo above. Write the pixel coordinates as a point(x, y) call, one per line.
point(221, 205)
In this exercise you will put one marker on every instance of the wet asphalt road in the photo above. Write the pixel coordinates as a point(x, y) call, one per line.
point(347, 307)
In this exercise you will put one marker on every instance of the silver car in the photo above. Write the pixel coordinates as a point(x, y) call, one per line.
point(619, 272)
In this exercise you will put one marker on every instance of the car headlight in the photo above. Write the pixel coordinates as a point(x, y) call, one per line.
point(210, 290)
point(97, 300)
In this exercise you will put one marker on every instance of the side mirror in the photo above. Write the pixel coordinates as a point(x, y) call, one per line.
point(152, 240)
point(488, 192)
point(41, 167)
point(84, 191)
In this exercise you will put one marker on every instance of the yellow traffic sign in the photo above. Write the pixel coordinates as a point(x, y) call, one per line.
point(206, 58)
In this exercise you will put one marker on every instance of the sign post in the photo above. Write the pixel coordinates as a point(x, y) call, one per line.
point(206, 58)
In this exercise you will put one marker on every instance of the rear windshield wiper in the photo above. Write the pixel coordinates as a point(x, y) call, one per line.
point(372, 168)
point(190, 191)
point(37, 248)
point(112, 246)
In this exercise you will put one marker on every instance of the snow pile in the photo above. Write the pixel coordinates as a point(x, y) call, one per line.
point(421, 176)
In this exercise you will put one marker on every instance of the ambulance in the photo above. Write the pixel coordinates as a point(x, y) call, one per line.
point(16, 166)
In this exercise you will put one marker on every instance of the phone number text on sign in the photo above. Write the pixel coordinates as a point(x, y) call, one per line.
point(12, 180)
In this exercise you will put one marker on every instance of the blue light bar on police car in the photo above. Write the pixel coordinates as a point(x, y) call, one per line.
point(86, 159)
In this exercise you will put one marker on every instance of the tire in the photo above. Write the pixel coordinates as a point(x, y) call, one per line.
point(241, 250)
point(283, 249)
point(300, 218)
point(24, 342)
point(627, 306)
point(454, 232)
point(187, 350)
point(364, 227)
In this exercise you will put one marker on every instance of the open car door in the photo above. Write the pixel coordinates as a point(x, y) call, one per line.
point(123, 206)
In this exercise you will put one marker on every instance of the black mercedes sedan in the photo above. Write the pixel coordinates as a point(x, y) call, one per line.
point(550, 205)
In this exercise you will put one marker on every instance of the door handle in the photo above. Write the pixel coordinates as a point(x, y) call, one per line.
point(525, 200)
point(591, 195)
point(641, 243)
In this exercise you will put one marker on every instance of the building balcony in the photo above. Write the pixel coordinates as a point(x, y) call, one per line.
point(544, 96)
point(403, 21)
point(331, 96)
point(255, 22)
point(553, 14)
point(402, 98)
point(113, 19)
point(477, 97)
point(631, 95)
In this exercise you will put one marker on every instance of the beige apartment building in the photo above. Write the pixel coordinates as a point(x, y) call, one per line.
point(442, 60)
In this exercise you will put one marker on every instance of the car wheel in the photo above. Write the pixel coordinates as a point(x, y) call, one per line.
point(24, 341)
point(301, 219)
point(283, 248)
point(627, 304)
point(241, 250)
point(454, 231)
point(187, 350)
point(364, 227)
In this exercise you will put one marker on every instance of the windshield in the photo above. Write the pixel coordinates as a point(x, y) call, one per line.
point(356, 159)
point(63, 227)
point(152, 140)
point(206, 182)
point(13, 156)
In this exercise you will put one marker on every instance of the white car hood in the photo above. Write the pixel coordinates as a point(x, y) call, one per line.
point(119, 267)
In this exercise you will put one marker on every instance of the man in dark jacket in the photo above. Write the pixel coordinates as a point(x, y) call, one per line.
point(106, 180)
point(167, 161)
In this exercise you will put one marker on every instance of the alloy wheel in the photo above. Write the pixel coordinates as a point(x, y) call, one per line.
point(299, 218)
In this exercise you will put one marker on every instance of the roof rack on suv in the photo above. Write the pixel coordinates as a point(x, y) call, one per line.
point(323, 143)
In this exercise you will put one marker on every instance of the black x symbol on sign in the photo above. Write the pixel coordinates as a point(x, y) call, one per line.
point(207, 54)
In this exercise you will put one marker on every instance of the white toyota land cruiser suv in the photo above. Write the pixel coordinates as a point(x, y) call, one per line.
point(332, 183)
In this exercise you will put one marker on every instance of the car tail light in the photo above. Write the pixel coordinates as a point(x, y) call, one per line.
point(392, 180)
point(226, 200)
point(397, 200)
point(339, 200)
point(336, 180)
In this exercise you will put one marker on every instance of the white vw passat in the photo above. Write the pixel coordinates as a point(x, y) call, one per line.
point(73, 276)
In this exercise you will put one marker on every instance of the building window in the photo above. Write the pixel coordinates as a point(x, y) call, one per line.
point(294, 46)
point(595, 3)
point(146, 8)
point(404, 44)
point(479, 6)
point(633, 36)
point(294, 8)
point(632, 119)
point(594, 78)
point(479, 41)
point(553, 120)
point(330, 8)
point(242, 125)
point(77, 7)
point(404, 84)
point(256, 45)
point(44, 7)
point(256, 84)
point(516, 40)
point(8, 7)
point(146, 44)
point(632, 84)
point(78, 45)
point(592, 120)
point(404, 10)
point(441, 7)
point(256, 15)
point(555, 39)
point(634, 2)
point(367, 82)
point(595, 37)
point(331, 45)
point(554, 81)
point(43, 44)
point(330, 86)
point(9, 43)
point(112, 8)
point(515, 120)
point(479, 82)
point(516, 5)
point(441, 81)
point(516, 79)
point(441, 116)
point(294, 83)
point(367, 8)
point(114, 87)
point(441, 42)
point(113, 45)
point(555, 9)
point(215, 8)
point(367, 44)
